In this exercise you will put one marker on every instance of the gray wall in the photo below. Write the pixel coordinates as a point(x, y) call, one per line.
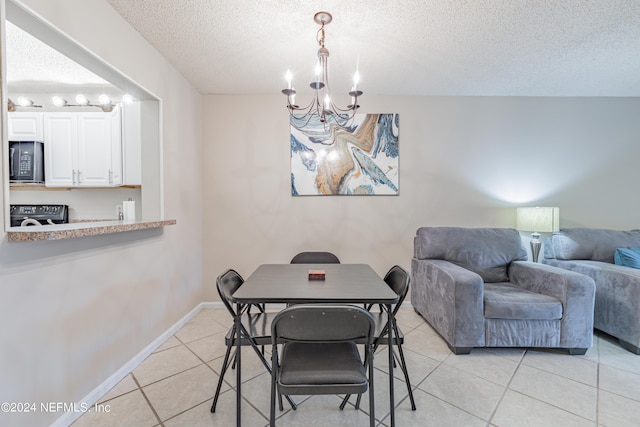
point(464, 161)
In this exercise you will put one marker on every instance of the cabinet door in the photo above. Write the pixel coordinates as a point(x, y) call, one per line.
point(60, 149)
point(94, 149)
point(25, 127)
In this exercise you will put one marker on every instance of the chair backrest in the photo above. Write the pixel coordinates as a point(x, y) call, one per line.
point(315, 258)
point(485, 251)
point(398, 279)
point(323, 323)
point(589, 243)
point(227, 283)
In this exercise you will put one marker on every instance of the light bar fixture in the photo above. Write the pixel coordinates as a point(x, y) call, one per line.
point(105, 103)
point(82, 101)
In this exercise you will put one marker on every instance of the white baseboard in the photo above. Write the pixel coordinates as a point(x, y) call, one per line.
point(93, 397)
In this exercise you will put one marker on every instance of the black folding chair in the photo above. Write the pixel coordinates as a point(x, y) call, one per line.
point(258, 334)
point(320, 354)
point(399, 280)
point(315, 258)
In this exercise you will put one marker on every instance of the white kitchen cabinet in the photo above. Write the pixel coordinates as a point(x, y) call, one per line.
point(25, 126)
point(83, 149)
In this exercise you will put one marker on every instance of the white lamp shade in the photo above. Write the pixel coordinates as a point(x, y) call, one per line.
point(538, 219)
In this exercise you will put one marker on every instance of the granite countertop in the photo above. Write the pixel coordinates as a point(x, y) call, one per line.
point(81, 229)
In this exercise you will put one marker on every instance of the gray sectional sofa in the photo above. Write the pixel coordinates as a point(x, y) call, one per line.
point(591, 251)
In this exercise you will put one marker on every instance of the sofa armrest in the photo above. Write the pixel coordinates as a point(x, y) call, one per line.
point(450, 298)
point(617, 297)
point(575, 290)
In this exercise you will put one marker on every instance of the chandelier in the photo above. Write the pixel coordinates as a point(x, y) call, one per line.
point(322, 107)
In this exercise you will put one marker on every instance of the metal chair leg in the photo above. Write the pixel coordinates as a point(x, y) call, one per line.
point(403, 366)
point(225, 366)
point(344, 401)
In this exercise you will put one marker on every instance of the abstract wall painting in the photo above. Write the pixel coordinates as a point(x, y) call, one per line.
point(359, 160)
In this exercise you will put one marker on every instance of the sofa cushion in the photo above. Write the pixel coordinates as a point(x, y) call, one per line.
point(628, 257)
point(485, 251)
point(507, 301)
point(591, 243)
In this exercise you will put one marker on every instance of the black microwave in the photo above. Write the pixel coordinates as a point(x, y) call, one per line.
point(26, 161)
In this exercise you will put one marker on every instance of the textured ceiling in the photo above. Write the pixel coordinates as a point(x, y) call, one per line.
point(401, 47)
point(29, 61)
point(35, 68)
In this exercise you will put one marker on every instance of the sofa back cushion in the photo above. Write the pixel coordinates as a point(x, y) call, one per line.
point(485, 251)
point(590, 243)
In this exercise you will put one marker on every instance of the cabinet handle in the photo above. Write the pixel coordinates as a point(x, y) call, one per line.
point(73, 176)
point(110, 176)
point(79, 180)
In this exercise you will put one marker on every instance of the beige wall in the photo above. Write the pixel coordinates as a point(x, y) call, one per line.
point(465, 161)
point(73, 312)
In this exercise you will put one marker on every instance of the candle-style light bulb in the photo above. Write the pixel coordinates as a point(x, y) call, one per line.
point(327, 101)
point(356, 80)
point(288, 77)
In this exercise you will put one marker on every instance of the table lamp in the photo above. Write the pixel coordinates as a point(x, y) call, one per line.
point(537, 220)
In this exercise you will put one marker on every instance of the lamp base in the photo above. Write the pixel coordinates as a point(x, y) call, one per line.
point(535, 246)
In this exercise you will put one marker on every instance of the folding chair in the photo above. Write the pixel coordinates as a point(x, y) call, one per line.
point(320, 354)
point(258, 334)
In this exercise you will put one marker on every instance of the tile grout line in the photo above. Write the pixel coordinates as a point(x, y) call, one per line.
point(147, 399)
point(182, 343)
point(542, 401)
point(218, 375)
point(506, 388)
point(441, 363)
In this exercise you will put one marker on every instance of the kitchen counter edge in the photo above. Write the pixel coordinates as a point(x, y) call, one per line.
point(81, 229)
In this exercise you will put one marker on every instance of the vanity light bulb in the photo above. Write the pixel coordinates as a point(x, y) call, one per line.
point(82, 100)
point(59, 101)
point(104, 100)
point(127, 99)
point(25, 102)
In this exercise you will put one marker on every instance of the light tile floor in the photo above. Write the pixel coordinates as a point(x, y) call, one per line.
point(175, 385)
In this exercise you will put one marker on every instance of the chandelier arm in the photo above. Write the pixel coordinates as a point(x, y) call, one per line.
point(304, 112)
point(344, 110)
point(298, 108)
point(306, 118)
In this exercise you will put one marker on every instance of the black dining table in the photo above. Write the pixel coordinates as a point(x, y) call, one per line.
point(290, 284)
